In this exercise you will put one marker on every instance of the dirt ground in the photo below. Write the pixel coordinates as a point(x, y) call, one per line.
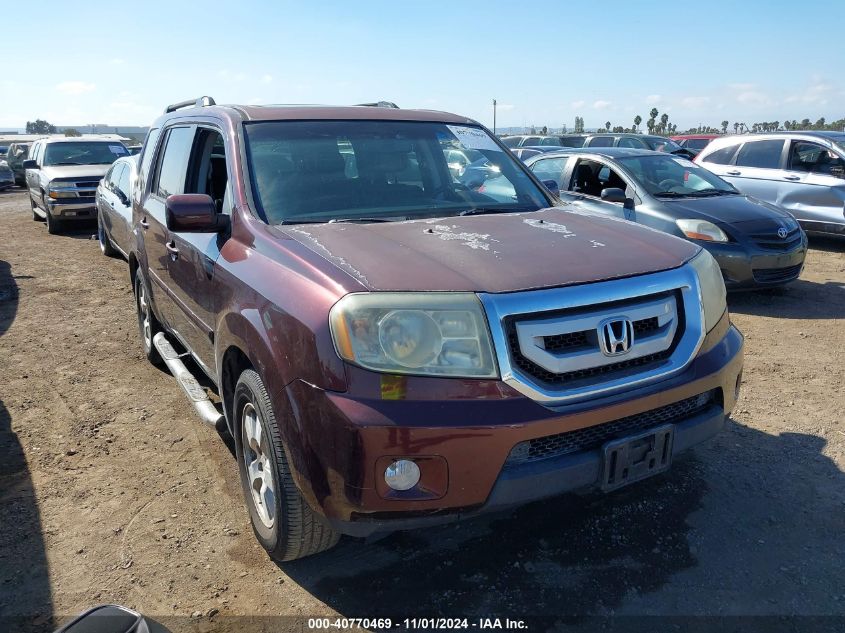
point(111, 490)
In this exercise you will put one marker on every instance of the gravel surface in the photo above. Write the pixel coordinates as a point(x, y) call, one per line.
point(111, 490)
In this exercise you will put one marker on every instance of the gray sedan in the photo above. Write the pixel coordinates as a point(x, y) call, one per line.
point(755, 243)
point(803, 172)
point(114, 207)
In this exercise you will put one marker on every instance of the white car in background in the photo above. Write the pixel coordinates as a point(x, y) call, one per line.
point(802, 172)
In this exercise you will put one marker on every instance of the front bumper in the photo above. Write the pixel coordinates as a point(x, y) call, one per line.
point(341, 443)
point(72, 210)
point(747, 266)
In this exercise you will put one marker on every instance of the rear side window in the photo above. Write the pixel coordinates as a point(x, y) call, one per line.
point(601, 141)
point(762, 154)
point(550, 169)
point(511, 141)
point(174, 162)
point(722, 156)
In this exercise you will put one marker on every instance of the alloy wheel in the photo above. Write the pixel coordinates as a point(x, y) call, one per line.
point(257, 461)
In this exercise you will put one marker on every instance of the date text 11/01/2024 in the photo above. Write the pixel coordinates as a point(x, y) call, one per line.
point(416, 623)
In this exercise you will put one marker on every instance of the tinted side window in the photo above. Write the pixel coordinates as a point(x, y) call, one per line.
point(511, 141)
point(601, 141)
point(696, 143)
point(530, 141)
point(722, 156)
point(572, 141)
point(762, 154)
point(174, 162)
point(633, 143)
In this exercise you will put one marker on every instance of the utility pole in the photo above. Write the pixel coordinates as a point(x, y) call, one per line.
point(494, 116)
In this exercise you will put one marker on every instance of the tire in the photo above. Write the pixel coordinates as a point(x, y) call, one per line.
point(106, 247)
point(283, 522)
point(148, 325)
point(54, 226)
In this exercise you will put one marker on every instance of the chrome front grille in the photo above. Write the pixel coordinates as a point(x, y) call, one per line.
point(551, 344)
point(564, 346)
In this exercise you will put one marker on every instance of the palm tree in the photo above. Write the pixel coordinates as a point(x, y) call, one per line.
point(725, 127)
point(637, 120)
point(736, 128)
point(607, 126)
point(664, 121)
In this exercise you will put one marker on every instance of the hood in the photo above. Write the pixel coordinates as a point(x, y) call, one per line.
point(494, 252)
point(728, 210)
point(75, 171)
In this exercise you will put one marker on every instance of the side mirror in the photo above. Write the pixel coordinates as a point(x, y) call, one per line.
point(30, 164)
point(193, 213)
point(552, 186)
point(109, 618)
point(613, 194)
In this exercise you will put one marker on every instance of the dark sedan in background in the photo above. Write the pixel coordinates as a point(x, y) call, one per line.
point(755, 243)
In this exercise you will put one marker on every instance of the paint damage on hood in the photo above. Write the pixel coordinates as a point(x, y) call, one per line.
point(501, 252)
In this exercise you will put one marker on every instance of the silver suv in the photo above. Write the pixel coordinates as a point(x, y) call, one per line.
point(802, 172)
point(62, 175)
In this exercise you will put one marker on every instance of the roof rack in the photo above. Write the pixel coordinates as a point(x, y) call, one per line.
point(190, 103)
point(379, 104)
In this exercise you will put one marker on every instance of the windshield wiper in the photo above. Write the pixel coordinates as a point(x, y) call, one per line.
point(67, 163)
point(670, 194)
point(709, 192)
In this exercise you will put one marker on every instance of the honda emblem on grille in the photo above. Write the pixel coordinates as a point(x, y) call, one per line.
point(782, 233)
point(616, 336)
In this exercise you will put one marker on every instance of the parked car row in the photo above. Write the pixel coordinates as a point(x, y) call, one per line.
point(601, 139)
point(403, 324)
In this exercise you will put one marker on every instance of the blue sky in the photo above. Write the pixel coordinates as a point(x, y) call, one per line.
point(545, 62)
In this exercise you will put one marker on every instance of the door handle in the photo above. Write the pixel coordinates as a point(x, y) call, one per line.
point(144, 224)
point(792, 178)
point(171, 248)
point(733, 172)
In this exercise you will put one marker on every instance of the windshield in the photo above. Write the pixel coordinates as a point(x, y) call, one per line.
point(663, 145)
point(671, 176)
point(83, 153)
point(318, 171)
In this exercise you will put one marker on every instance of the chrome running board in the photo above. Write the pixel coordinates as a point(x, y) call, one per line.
point(204, 407)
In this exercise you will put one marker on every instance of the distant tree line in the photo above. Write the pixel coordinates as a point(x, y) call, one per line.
point(659, 124)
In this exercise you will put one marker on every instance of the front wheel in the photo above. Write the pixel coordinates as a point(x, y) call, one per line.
point(283, 522)
point(148, 325)
point(54, 226)
point(106, 247)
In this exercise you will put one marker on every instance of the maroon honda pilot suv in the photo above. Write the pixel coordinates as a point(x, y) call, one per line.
point(405, 327)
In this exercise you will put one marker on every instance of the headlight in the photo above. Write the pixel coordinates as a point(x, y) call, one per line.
point(701, 230)
point(442, 334)
point(712, 288)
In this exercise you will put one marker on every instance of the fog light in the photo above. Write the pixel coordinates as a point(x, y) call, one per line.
point(403, 474)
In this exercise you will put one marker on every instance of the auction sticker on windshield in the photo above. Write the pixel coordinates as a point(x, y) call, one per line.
point(473, 138)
